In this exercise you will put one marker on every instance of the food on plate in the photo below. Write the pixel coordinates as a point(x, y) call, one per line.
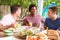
point(9, 31)
point(42, 36)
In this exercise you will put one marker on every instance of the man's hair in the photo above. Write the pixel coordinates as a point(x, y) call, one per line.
point(14, 8)
point(54, 9)
point(32, 5)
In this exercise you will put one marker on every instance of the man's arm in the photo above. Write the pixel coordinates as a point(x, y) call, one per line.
point(10, 26)
point(25, 22)
point(42, 19)
point(1, 27)
point(6, 27)
point(45, 24)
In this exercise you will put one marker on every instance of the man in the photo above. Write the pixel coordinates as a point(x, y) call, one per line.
point(33, 18)
point(8, 21)
point(53, 21)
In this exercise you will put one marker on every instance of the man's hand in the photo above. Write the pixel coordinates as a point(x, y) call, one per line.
point(42, 28)
point(58, 32)
point(12, 26)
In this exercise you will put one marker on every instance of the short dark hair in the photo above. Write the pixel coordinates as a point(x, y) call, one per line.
point(54, 9)
point(14, 8)
point(32, 5)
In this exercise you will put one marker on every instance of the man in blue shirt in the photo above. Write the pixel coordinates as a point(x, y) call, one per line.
point(53, 22)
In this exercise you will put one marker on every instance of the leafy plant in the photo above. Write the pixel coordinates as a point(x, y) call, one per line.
point(47, 2)
point(23, 3)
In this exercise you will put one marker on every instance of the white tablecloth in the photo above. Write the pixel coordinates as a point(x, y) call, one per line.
point(8, 38)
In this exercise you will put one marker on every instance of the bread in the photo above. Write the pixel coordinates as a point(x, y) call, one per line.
point(53, 34)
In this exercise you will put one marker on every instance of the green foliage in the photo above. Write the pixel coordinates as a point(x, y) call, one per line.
point(0, 17)
point(7, 2)
point(23, 3)
point(46, 2)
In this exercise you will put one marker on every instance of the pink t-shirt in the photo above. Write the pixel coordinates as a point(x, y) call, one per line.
point(35, 20)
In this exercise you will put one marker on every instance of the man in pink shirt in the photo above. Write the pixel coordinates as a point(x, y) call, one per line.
point(33, 17)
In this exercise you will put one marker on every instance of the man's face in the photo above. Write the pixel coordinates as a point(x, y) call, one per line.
point(18, 12)
point(51, 14)
point(33, 10)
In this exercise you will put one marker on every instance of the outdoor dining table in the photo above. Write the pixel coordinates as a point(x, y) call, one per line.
point(12, 37)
